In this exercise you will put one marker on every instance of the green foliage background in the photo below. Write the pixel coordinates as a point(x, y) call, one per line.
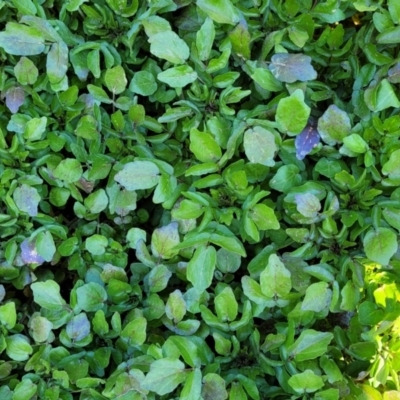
point(199, 199)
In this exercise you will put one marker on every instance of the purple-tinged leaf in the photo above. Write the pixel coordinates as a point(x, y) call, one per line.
point(15, 97)
point(308, 204)
point(27, 199)
point(78, 327)
point(394, 74)
point(334, 125)
point(29, 253)
point(306, 141)
point(290, 68)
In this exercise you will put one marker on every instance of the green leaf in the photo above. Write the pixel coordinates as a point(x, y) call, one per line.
point(290, 68)
point(97, 201)
point(137, 114)
point(232, 244)
point(226, 79)
point(18, 347)
point(392, 217)
point(138, 175)
point(389, 36)
point(309, 345)
point(21, 40)
point(26, 71)
point(73, 5)
point(178, 77)
point(264, 217)
point(204, 39)
point(93, 63)
point(169, 46)
point(298, 36)
point(121, 8)
point(68, 246)
point(318, 297)
point(91, 297)
point(164, 240)
point(355, 143)
point(392, 166)
point(25, 7)
point(45, 245)
point(380, 97)
point(266, 79)
point(237, 392)
point(308, 204)
point(240, 38)
point(292, 113)
point(226, 305)
point(57, 62)
point(96, 244)
point(350, 297)
point(175, 308)
point(68, 170)
point(164, 376)
point(213, 387)
point(204, 146)
point(35, 128)
point(221, 11)
point(111, 272)
point(47, 295)
point(200, 269)
point(143, 83)
point(285, 178)
point(100, 325)
point(306, 382)
point(155, 24)
point(202, 169)
point(187, 349)
point(259, 146)
point(115, 79)
point(59, 196)
point(192, 387)
point(216, 64)
point(363, 350)
point(25, 390)
point(227, 261)
point(331, 369)
point(27, 199)
point(87, 128)
point(47, 30)
point(8, 315)
point(252, 290)
point(158, 278)
point(275, 280)
point(380, 245)
point(394, 10)
point(135, 234)
point(334, 125)
point(223, 346)
point(134, 332)
point(249, 386)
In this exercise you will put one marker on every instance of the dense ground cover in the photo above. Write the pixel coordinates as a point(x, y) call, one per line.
point(199, 199)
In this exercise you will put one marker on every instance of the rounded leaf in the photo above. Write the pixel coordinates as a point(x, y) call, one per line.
point(138, 175)
point(380, 245)
point(259, 146)
point(69, 170)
